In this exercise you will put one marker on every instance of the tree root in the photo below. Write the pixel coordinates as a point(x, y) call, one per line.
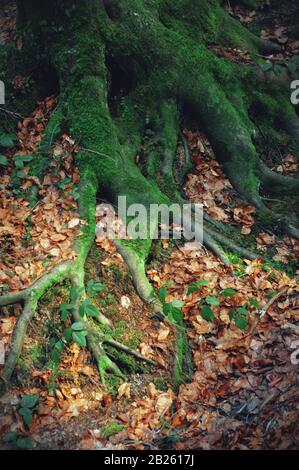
point(73, 270)
point(136, 265)
point(30, 297)
point(95, 339)
point(188, 165)
point(224, 240)
point(275, 182)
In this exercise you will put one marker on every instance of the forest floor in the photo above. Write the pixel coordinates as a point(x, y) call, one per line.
point(243, 393)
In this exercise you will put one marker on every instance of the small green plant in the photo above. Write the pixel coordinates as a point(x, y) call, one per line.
point(196, 285)
point(20, 161)
point(64, 310)
point(7, 140)
point(16, 441)
point(62, 184)
point(238, 314)
point(173, 310)
point(88, 309)
point(28, 406)
point(94, 287)
point(112, 428)
point(3, 160)
point(78, 333)
point(293, 65)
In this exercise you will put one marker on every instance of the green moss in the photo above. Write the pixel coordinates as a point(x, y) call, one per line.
point(36, 354)
point(183, 366)
point(161, 384)
point(112, 383)
point(112, 428)
point(108, 300)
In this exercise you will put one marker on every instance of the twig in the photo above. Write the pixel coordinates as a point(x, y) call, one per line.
point(265, 308)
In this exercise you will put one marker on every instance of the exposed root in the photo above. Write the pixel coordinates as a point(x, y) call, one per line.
point(136, 265)
point(216, 247)
point(188, 165)
point(275, 182)
point(73, 270)
point(224, 240)
point(30, 296)
point(128, 350)
point(13, 298)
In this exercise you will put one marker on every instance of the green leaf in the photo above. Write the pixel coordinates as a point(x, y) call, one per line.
point(166, 309)
point(59, 346)
point(254, 303)
point(243, 311)
point(21, 174)
point(94, 287)
point(266, 66)
point(228, 292)
point(74, 292)
point(27, 415)
point(231, 314)
point(272, 293)
point(176, 314)
point(240, 322)
point(62, 184)
point(177, 303)
point(292, 67)
point(64, 309)
point(78, 326)
point(55, 354)
point(213, 301)
point(10, 436)
point(67, 334)
point(3, 160)
point(20, 160)
point(207, 313)
point(79, 338)
point(24, 443)
point(87, 308)
point(7, 140)
point(195, 286)
point(29, 401)
point(162, 292)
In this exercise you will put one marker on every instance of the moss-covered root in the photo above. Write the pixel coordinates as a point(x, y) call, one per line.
point(234, 148)
point(277, 183)
point(94, 338)
point(134, 254)
point(30, 297)
point(183, 365)
point(74, 270)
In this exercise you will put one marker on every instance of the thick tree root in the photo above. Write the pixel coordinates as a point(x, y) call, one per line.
point(73, 270)
point(136, 265)
point(224, 240)
point(30, 297)
point(277, 183)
